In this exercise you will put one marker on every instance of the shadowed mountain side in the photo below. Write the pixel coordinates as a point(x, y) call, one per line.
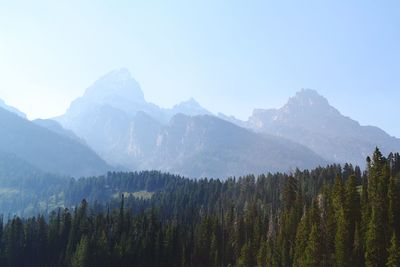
point(46, 150)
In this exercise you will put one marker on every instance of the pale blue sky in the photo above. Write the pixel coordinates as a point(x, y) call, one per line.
point(232, 56)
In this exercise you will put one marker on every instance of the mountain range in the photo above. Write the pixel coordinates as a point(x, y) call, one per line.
point(113, 127)
point(123, 128)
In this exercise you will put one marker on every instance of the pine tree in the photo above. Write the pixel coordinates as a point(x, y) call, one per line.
point(15, 242)
point(81, 255)
point(262, 255)
point(303, 232)
point(338, 194)
point(342, 244)
point(394, 253)
point(328, 226)
point(393, 206)
point(373, 248)
point(313, 254)
point(246, 258)
point(352, 206)
point(357, 257)
point(308, 219)
point(376, 235)
point(102, 251)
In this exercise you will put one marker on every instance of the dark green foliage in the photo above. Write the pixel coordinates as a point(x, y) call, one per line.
point(342, 241)
point(324, 217)
point(394, 253)
point(313, 254)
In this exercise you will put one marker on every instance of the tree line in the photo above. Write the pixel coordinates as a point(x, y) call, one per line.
point(331, 216)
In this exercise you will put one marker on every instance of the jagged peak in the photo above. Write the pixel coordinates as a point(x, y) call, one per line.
point(117, 83)
point(308, 97)
point(190, 107)
point(305, 99)
point(191, 102)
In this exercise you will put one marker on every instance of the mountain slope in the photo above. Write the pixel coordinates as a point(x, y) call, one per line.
point(195, 146)
point(310, 120)
point(13, 168)
point(11, 109)
point(121, 139)
point(55, 127)
point(202, 146)
point(45, 149)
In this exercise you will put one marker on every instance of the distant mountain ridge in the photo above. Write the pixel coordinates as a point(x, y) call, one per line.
point(310, 120)
point(111, 127)
point(11, 109)
point(115, 120)
point(55, 127)
point(118, 89)
point(46, 150)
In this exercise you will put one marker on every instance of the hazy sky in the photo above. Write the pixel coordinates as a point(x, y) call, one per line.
point(232, 56)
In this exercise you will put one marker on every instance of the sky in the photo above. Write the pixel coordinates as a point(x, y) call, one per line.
point(231, 56)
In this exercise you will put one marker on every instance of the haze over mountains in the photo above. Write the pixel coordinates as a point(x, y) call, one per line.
point(310, 120)
point(11, 109)
point(46, 150)
point(113, 120)
point(116, 121)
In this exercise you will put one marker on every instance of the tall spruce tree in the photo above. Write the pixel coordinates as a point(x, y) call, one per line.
point(394, 252)
point(313, 254)
point(81, 255)
point(342, 241)
point(376, 236)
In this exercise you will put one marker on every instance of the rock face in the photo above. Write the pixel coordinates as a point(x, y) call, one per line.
point(115, 120)
point(310, 120)
point(206, 146)
point(46, 150)
point(190, 107)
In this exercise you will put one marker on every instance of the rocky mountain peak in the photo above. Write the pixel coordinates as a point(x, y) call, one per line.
point(115, 84)
point(308, 98)
point(190, 107)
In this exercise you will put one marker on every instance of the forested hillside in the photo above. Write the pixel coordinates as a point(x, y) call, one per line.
point(329, 216)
